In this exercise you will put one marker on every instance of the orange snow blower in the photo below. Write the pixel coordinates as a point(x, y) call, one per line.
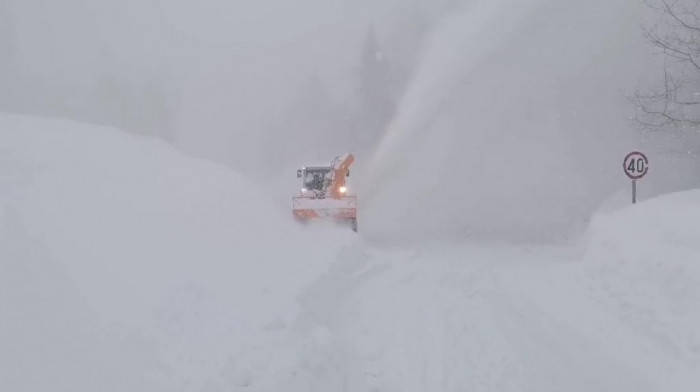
point(324, 193)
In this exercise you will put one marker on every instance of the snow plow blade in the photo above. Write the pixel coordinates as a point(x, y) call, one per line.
point(342, 209)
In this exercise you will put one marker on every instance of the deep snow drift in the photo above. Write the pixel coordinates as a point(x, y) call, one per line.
point(646, 260)
point(126, 266)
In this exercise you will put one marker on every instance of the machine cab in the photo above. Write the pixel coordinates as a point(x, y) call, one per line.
point(316, 180)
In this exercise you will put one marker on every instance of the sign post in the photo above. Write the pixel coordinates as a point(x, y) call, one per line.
point(636, 166)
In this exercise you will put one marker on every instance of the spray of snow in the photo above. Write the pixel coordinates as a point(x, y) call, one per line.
point(515, 108)
point(460, 43)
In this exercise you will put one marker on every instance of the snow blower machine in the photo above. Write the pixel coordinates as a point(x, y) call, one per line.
point(324, 194)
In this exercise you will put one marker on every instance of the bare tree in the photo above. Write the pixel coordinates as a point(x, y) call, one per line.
point(675, 104)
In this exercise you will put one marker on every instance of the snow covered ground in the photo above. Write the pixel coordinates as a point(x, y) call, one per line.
point(126, 266)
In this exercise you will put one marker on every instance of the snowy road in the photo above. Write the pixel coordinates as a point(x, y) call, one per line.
point(477, 319)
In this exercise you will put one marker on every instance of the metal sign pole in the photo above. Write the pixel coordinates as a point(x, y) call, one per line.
point(634, 191)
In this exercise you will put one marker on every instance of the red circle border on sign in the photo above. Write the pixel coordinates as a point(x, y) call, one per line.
point(646, 165)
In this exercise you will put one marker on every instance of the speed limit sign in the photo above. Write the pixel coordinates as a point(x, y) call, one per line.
point(636, 165)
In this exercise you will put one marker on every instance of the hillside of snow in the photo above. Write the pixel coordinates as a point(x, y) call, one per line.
point(127, 266)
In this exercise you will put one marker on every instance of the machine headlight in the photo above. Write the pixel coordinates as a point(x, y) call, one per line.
point(304, 190)
point(343, 189)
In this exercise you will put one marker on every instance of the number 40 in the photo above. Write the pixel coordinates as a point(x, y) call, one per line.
point(637, 165)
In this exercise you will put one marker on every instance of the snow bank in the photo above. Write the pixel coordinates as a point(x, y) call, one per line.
point(646, 260)
point(125, 266)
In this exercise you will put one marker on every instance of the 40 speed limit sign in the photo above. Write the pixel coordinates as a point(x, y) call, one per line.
point(636, 165)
